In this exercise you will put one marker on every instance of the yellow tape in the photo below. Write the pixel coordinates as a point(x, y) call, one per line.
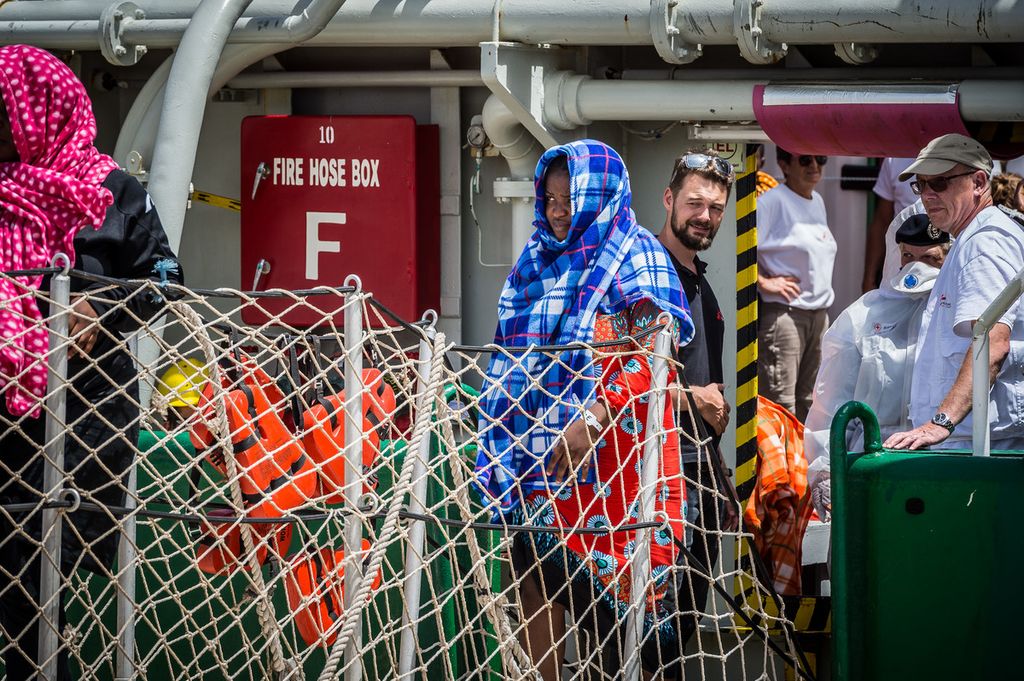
point(217, 201)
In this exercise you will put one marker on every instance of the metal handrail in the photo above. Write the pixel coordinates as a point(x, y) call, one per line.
point(981, 439)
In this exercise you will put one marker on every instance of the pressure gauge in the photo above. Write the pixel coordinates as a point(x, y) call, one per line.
point(476, 137)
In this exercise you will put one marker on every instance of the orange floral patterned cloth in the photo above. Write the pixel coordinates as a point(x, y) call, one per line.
point(602, 561)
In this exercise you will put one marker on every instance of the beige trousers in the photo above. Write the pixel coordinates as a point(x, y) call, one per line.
point(789, 353)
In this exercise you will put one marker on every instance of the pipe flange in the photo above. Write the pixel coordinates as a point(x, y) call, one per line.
point(112, 23)
point(561, 100)
point(754, 46)
point(856, 53)
point(668, 39)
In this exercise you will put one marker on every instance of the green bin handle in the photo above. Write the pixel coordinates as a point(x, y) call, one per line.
point(842, 572)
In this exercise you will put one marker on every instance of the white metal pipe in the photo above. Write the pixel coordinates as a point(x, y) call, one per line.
point(892, 21)
point(184, 107)
point(124, 666)
point(441, 23)
point(980, 385)
point(417, 529)
point(311, 79)
point(53, 471)
point(650, 469)
point(522, 151)
point(353, 488)
point(511, 139)
point(992, 100)
point(140, 127)
point(724, 100)
point(445, 113)
point(981, 434)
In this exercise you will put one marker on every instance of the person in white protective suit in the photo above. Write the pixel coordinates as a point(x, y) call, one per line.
point(868, 353)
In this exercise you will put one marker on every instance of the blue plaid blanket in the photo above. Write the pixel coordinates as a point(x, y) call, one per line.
point(606, 264)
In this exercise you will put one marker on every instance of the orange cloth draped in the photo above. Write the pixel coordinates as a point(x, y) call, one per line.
point(780, 506)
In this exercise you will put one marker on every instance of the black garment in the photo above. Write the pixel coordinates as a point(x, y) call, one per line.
point(701, 357)
point(549, 565)
point(102, 415)
point(704, 516)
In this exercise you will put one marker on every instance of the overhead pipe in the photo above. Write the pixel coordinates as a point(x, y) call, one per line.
point(73, 24)
point(578, 100)
point(184, 107)
point(139, 131)
point(316, 79)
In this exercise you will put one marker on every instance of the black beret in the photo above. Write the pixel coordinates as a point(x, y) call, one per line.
point(917, 230)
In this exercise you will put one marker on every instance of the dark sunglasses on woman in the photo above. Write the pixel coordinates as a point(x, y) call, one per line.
point(806, 160)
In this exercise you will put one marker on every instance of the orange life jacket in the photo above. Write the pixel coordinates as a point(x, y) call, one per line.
point(324, 439)
point(219, 548)
point(275, 476)
point(315, 584)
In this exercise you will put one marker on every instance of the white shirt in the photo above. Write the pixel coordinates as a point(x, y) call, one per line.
point(868, 355)
point(891, 266)
point(793, 239)
point(889, 187)
point(983, 259)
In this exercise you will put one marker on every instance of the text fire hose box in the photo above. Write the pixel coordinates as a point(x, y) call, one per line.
point(328, 196)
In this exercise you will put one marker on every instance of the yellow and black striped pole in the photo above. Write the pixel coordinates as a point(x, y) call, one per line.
point(746, 329)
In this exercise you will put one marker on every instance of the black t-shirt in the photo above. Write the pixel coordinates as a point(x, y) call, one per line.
point(701, 357)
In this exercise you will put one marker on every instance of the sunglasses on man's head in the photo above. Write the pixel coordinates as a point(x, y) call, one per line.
point(806, 160)
point(937, 184)
point(716, 164)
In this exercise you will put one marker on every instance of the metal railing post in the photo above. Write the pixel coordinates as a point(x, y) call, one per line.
point(417, 529)
point(53, 469)
point(981, 433)
point(353, 531)
point(126, 553)
point(640, 571)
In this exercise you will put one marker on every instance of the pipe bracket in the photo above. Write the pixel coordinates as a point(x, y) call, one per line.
point(517, 75)
point(750, 38)
point(856, 53)
point(112, 23)
point(668, 39)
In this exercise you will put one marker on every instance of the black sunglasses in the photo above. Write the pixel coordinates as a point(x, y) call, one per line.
point(938, 184)
point(806, 160)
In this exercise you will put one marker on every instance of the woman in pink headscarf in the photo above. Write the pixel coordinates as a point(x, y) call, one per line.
point(59, 194)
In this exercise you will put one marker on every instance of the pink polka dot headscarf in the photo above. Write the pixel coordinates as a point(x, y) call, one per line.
point(50, 193)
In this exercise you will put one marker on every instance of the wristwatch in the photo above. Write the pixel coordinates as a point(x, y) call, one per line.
point(941, 419)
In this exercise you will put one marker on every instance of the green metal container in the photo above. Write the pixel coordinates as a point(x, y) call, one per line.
point(453, 639)
point(925, 560)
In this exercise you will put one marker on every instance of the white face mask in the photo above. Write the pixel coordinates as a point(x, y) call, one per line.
point(915, 278)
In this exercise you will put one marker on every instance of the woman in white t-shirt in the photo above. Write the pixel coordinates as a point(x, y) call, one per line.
point(795, 256)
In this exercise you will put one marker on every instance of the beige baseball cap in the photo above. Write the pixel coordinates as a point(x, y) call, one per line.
point(944, 152)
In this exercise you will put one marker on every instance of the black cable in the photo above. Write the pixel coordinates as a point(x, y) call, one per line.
point(760, 570)
point(576, 345)
point(32, 272)
point(306, 517)
point(738, 609)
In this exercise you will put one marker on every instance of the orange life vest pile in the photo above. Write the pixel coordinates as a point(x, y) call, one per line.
point(280, 471)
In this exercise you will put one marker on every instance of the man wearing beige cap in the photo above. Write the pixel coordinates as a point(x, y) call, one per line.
point(952, 178)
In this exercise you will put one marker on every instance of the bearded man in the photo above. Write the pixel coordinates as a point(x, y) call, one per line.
point(695, 201)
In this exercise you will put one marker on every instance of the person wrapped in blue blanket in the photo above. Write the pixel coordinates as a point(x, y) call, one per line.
point(562, 432)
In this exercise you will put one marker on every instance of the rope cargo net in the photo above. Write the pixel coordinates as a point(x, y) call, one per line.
point(298, 503)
